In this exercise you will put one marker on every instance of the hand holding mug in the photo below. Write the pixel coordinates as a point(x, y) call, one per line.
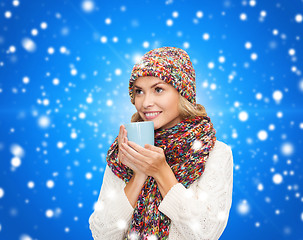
point(122, 138)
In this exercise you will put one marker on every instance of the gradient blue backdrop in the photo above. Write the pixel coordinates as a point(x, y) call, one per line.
point(64, 70)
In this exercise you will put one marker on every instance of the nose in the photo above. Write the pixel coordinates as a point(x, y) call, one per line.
point(148, 100)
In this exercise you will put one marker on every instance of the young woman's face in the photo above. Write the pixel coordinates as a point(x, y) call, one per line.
point(157, 101)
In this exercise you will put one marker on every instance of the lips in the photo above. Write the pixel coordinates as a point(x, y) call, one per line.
point(151, 115)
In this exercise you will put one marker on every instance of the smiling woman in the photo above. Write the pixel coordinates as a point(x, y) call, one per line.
point(185, 108)
point(157, 101)
point(181, 188)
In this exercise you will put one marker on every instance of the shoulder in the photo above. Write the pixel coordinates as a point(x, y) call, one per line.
point(221, 148)
point(218, 172)
point(220, 154)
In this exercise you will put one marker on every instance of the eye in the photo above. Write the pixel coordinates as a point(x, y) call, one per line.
point(159, 90)
point(138, 91)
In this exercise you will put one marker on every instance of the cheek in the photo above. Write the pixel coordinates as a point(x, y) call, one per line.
point(138, 109)
point(173, 101)
point(174, 107)
point(138, 106)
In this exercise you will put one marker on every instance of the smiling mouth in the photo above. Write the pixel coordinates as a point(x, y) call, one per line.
point(151, 115)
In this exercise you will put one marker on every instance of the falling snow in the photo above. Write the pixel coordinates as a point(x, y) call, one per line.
point(243, 116)
point(243, 207)
point(205, 36)
point(262, 135)
point(31, 184)
point(49, 213)
point(25, 237)
point(44, 121)
point(50, 184)
point(169, 22)
point(277, 178)
point(43, 25)
point(64, 93)
point(1, 193)
point(287, 149)
point(299, 18)
point(28, 44)
point(88, 6)
point(277, 96)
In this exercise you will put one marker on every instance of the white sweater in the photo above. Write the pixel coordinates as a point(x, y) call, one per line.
point(197, 213)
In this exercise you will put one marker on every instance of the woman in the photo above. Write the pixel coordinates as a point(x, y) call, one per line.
point(181, 188)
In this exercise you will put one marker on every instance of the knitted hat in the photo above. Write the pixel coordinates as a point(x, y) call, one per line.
point(171, 65)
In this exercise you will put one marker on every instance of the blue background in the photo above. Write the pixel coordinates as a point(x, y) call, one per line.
point(54, 137)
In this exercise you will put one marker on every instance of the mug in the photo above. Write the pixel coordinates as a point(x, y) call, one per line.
point(140, 132)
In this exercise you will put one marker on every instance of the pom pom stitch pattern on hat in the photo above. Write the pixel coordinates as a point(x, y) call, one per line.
point(171, 65)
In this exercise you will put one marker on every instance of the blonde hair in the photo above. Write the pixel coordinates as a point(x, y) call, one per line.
point(186, 110)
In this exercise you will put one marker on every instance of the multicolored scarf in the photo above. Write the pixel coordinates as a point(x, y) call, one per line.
point(186, 146)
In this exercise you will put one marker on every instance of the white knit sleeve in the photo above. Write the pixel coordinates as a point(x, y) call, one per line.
point(201, 211)
point(113, 212)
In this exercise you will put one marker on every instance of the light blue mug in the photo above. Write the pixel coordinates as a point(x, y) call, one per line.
point(141, 132)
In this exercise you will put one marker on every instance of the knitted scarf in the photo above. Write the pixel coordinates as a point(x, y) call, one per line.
point(186, 146)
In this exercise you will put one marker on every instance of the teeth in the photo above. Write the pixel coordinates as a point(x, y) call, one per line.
point(151, 114)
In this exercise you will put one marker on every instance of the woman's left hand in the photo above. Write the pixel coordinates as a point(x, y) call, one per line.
point(151, 159)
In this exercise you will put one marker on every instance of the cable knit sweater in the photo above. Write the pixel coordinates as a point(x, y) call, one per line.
point(197, 213)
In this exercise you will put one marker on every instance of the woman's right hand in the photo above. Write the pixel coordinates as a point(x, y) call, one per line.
point(122, 138)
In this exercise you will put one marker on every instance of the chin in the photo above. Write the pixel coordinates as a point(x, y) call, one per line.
point(156, 127)
point(159, 126)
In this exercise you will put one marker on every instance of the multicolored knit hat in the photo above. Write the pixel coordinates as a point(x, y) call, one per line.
point(171, 65)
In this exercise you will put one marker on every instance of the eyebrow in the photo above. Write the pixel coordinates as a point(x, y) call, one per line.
point(151, 86)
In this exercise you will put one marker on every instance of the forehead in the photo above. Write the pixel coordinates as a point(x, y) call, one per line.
point(148, 81)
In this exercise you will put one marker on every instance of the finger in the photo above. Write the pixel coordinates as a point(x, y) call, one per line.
point(137, 148)
point(127, 158)
point(122, 152)
point(153, 148)
point(125, 136)
point(127, 162)
point(132, 153)
point(120, 136)
point(123, 159)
